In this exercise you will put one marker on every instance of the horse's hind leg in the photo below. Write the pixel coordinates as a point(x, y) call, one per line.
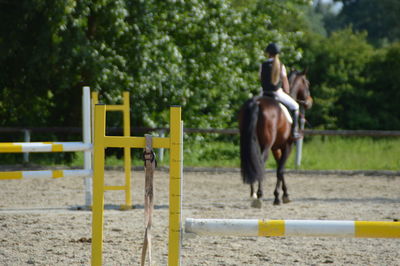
point(276, 192)
point(260, 193)
point(280, 175)
point(281, 156)
point(255, 200)
point(252, 193)
point(277, 155)
point(256, 203)
point(285, 197)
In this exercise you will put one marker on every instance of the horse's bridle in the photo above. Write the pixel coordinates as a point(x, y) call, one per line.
point(294, 90)
point(303, 103)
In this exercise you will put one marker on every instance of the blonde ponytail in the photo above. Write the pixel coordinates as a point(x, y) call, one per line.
point(276, 70)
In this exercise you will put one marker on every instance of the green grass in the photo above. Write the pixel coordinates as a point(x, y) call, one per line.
point(319, 153)
point(353, 153)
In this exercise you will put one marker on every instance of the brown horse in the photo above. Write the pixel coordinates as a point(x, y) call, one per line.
point(263, 127)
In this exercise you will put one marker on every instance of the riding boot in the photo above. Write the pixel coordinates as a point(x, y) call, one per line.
point(295, 126)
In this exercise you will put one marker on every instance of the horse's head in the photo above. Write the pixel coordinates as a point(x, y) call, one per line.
point(300, 88)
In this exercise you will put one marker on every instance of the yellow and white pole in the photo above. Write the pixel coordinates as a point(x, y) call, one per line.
point(310, 228)
point(175, 186)
point(127, 151)
point(45, 174)
point(18, 147)
point(98, 185)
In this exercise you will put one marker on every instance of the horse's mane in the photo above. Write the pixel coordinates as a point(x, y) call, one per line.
point(293, 73)
point(292, 78)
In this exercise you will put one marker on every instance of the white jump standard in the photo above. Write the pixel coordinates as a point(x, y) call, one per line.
point(85, 146)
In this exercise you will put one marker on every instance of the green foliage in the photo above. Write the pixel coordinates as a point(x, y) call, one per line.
point(379, 18)
point(187, 57)
point(314, 21)
point(354, 85)
point(336, 72)
point(211, 154)
point(51, 49)
point(384, 82)
point(203, 55)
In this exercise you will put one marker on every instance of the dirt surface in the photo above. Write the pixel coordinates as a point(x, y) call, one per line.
point(39, 223)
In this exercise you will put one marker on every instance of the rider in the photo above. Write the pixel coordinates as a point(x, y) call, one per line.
point(273, 77)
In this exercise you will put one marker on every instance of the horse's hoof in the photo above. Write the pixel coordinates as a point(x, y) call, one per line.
point(277, 202)
point(256, 203)
point(286, 200)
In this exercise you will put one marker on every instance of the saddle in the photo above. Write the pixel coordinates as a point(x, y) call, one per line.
point(284, 109)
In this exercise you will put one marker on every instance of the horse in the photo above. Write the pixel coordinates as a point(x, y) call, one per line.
point(263, 126)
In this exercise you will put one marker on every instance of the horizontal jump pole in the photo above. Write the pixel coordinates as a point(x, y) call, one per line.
point(135, 142)
point(309, 228)
point(18, 147)
point(45, 174)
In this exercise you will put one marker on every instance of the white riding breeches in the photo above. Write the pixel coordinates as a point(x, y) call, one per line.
point(288, 101)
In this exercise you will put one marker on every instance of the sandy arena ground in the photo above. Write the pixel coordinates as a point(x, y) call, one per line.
point(39, 223)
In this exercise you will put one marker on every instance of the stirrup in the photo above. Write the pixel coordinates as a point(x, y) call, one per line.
point(297, 135)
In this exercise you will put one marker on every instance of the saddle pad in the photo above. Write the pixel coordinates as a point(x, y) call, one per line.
point(286, 112)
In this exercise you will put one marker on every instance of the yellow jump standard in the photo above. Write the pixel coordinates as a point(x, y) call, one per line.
point(174, 143)
point(124, 108)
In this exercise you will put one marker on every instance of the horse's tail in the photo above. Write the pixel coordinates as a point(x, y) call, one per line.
point(251, 163)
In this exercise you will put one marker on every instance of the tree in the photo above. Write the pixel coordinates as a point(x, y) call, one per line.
point(378, 18)
point(203, 55)
point(336, 72)
point(50, 50)
point(384, 79)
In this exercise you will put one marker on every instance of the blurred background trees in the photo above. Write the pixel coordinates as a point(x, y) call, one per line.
point(203, 55)
point(354, 50)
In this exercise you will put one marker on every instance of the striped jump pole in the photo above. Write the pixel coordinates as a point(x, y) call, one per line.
point(307, 228)
point(84, 146)
point(45, 174)
point(18, 147)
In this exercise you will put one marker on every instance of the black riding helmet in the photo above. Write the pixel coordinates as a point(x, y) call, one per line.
point(273, 49)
